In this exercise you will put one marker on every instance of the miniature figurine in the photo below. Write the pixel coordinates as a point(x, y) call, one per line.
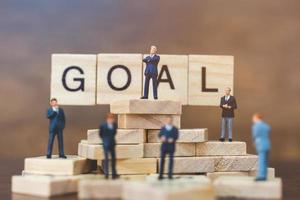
point(260, 135)
point(56, 117)
point(107, 133)
point(151, 72)
point(168, 136)
point(228, 105)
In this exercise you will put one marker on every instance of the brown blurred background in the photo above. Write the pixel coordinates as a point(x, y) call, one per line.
point(264, 37)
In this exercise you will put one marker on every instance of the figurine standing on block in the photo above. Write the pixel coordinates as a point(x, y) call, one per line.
point(107, 132)
point(168, 136)
point(228, 105)
point(151, 72)
point(260, 135)
point(57, 119)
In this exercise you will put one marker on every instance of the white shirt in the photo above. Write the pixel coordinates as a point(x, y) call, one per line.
point(168, 127)
point(110, 126)
point(227, 98)
point(55, 109)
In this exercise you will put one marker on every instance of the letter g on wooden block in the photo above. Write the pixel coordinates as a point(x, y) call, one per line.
point(73, 79)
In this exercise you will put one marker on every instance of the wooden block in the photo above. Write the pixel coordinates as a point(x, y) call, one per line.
point(128, 121)
point(216, 148)
point(44, 186)
point(191, 188)
point(185, 135)
point(270, 174)
point(219, 75)
point(246, 187)
point(134, 166)
point(124, 136)
point(73, 79)
point(172, 78)
point(95, 152)
point(119, 77)
point(100, 189)
point(235, 163)
point(56, 166)
point(143, 106)
point(191, 165)
point(152, 150)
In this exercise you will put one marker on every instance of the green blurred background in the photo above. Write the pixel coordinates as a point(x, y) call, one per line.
point(262, 35)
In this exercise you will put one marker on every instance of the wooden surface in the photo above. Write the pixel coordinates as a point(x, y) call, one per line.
point(124, 136)
point(143, 106)
point(215, 148)
point(87, 62)
point(105, 94)
point(219, 75)
point(152, 150)
point(235, 163)
point(145, 121)
point(185, 135)
point(177, 66)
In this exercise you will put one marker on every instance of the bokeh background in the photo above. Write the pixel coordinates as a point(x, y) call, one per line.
point(264, 37)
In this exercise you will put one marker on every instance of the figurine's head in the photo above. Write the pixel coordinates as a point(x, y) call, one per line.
point(110, 118)
point(227, 91)
point(256, 117)
point(53, 102)
point(169, 119)
point(153, 49)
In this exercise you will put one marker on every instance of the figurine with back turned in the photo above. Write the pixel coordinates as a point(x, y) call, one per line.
point(56, 117)
point(228, 105)
point(107, 133)
point(151, 72)
point(260, 135)
point(168, 136)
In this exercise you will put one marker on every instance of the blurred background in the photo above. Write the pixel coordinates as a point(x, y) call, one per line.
point(264, 37)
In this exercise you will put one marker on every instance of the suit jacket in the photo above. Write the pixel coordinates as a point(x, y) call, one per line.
point(56, 120)
point(108, 135)
point(231, 102)
point(173, 133)
point(260, 135)
point(151, 65)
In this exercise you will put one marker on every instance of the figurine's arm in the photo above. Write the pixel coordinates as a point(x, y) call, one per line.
point(234, 104)
point(51, 113)
point(176, 135)
point(146, 60)
point(116, 128)
point(101, 132)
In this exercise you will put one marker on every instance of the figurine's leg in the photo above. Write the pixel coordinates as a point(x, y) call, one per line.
point(113, 162)
point(50, 143)
point(106, 160)
point(162, 163)
point(229, 126)
point(60, 143)
point(262, 165)
point(223, 128)
point(146, 86)
point(171, 165)
point(154, 84)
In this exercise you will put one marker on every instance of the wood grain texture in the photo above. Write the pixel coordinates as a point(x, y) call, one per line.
point(152, 150)
point(95, 152)
point(44, 186)
point(246, 187)
point(87, 63)
point(235, 163)
point(134, 166)
point(150, 121)
point(145, 106)
point(190, 165)
point(185, 135)
point(177, 66)
point(219, 75)
point(119, 77)
point(73, 165)
point(124, 136)
point(216, 148)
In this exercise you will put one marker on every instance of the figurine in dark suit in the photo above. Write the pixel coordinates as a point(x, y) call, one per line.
point(260, 135)
point(168, 136)
point(107, 133)
point(151, 72)
point(228, 105)
point(57, 119)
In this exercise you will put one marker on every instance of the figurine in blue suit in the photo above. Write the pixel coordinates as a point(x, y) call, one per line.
point(57, 119)
point(168, 136)
point(260, 135)
point(107, 133)
point(151, 72)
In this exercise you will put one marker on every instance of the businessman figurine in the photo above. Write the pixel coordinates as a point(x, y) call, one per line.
point(151, 72)
point(260, 135)
point(56, 116)
point(107, 133)
point(228, 105)
point(168, 136)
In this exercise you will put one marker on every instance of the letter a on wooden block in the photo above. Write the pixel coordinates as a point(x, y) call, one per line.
point(73, 79)
point(119, 77)
point(208, 77)
point(172, 78)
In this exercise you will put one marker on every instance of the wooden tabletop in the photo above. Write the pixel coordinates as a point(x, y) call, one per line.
point(288, 171)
